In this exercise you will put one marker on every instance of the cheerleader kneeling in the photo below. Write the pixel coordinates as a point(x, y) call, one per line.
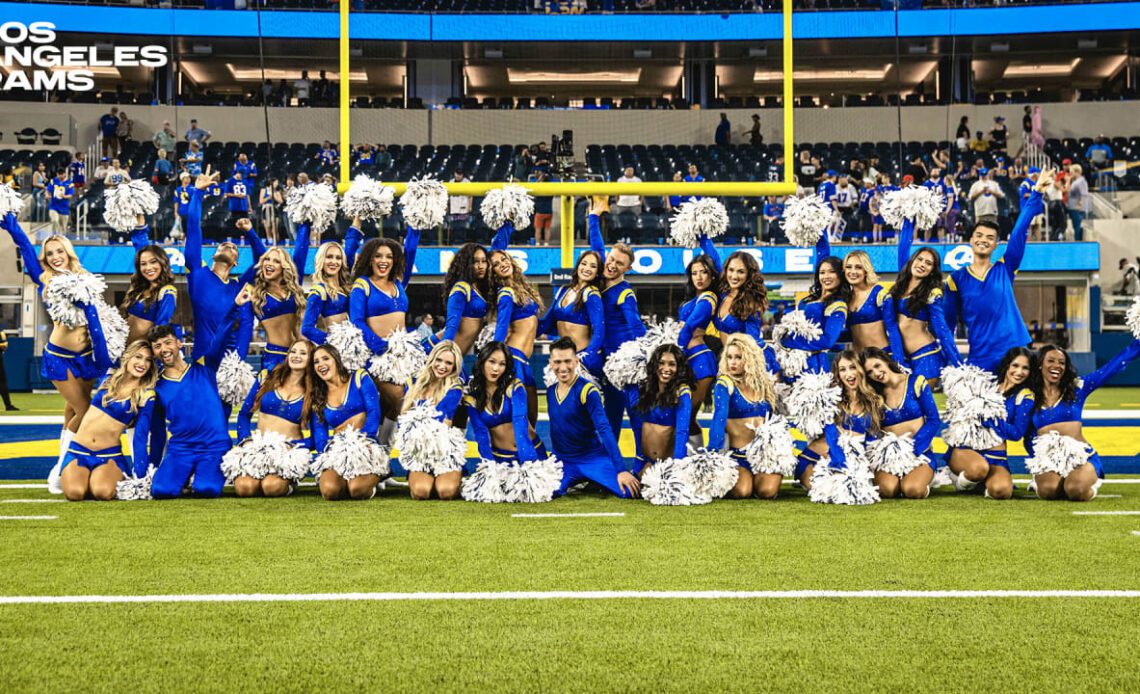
point(430, 448)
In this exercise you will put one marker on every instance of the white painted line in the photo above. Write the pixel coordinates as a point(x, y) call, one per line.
point(1108, 496)
point(32, 419)
point(32, 501)
point(27, 518)
point(42, 485)
point(1136, 533)
point(1106, 513)
point(1130, 480)
point(567, 515)
point(570, 595)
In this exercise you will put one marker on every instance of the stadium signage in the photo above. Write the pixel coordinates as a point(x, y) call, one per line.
point(32, 61)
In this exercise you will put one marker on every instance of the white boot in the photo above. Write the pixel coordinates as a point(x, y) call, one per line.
point(65, 439)
point(962, 483)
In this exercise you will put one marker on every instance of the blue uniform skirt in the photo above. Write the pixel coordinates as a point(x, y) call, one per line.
point(273, 355)
point(702, 361)
point(928, 361)
point(523, 371)
point(994, 458)
point(87, 458)
point(58, 363)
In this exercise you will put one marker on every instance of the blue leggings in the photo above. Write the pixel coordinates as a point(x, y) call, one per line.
point(702, 361)
point(182, 461)
point(597, 468)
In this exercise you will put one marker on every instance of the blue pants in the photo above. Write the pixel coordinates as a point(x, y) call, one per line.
point(597, 468)
point(86, 458)
point(614, 402)
point(523, 371)
point(273, 355)
point(928, 361)
point(989, 362)
point(58, 362)
point(182, 461)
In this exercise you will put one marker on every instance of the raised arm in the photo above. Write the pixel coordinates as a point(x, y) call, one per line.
point(504, 307)
point(906, 239)
point(457, 300)
point(301, 250)
point(709, 249)
point(357, 313)
point(822, 247)
point(521, 423)
point(140, 236)
point(941, 329)
point(592, 398)
point(1019, 237)
point(834, 320)
point(245, 414)
point(722, 395)
point(502, 237)
point(931, 420)
point(411, 246)
point(597, 243)
point(98, 339)
point(314, 305)
point(894, 335)
point(27, 253)
point(165, 304)
point(681, 431)
point(450, 402)
point(371, 397)
point(353, 238)
point(1114, 366)
point(193, 229)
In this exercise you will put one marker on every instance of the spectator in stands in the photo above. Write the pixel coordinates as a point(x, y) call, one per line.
point(192, 162)
point(39, 193)
point(425, 329)
point(1130, 277)
point(267, 206)
point(181, 204)
point(329, 180)
point(694, 176)
point(301, 88)
point(985, 194)
point(365, 158)
point(125, 129)
point(773, 212)
point(979, 144)
point(543, 214)
point(102, 168)
point(116, 175)
point(4, 375)
point(383, 159)
point(1054, 198)
point(863, 216)
point(826, 193)
point(1001, 172)
point(999, 135)
point(459, 206)
point(78, 170)
point(672, 202)
point(1079, 202)
point(846, 200)
point(248, 171)
point(328, 155)
point(1026, 129)
point(237, 196)
point(290, 224)
point(542, 157)
point(521, 164)
point(873, 168)
point(109, 129)
point(962, 136)
point(267, 93)
point(805, 169)
point(60, 190)
point(628, 204)
point(755, 137)
point(953, 206)
point(284, 93)
point(723, 131)
point(165, 138)
point(321, 91)
point(1018, 169)
point(1023, 191)
point(196, 134)
point(776, 169)
point(1099, 155)
point(941, 159)
point(163, 169)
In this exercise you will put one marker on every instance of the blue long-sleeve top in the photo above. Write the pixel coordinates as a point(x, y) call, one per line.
point(695, 314)
point(366, 300)
point(986, 304)
point(591, 313)
point(621, 315)
point(933, 314)
point(1018, 414)
point(445, 408)
point(95, 332)
point(831, 317)
point(320, 300)
point(502, 237)
point(730, 403)
point(32, 267)
point(463, 301)
point(579, 429)
point(676, 416)
point(160, 311)
point(271, 403)
point(510, 307)
point(513, 411)
point(360, 398)
point(1065, 411)
point(918, 402)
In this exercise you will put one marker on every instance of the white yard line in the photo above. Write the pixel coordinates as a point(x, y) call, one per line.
point(27, 518)
point(567, 515)
point(42, 485)
point(32, 501)
point(571, 595)
point(1106, 513)
point(1108, 496)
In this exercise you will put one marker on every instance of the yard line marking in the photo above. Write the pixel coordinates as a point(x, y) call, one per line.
point(42, 485)
point(1106, 513)
point(1108, 496)
point(1136, 532)
point(567, 515)
point(32, 501)
point(27, 518)
point(1133, 480)
point(568, 595)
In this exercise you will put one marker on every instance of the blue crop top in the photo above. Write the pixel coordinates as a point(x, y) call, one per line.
point(366, 300)
point(1018, 413)
point(677, 416)
point(320, 302)
point(729, 403)
point(510, 308)
point(696, 314)
point(1072, 411)
point(463, 301)
point(361, 397)
point(272, 404)
point(918, 403)
point(118, 410)
point(592, 313)
point(445, 408)
point(871, 311)
point(512, 412)
point(932, 314)
point(831, 317)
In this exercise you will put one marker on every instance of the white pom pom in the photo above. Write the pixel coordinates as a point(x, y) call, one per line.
point(424, 203)
point(793, 362)
point(485, 336)
point(534, 482)
point(125, 202)
point(11, 202)
point(488, 483)
point(1132, 318)
point(711, 473)
point(314, 204)
point(853, 485)
point(368, 199)
point(805, 219)
point(115, 329)
point(921, 204)
point(350, 453)
point(1054, 452)
point(426, 444)
point(550, 379)
point(666, 483)
point(135, 488)
point(972, 398)
point(347, 339)
point(266, 453)
point(894, 455)
point(771, 451)
point(696, 218)
point(403, 359)
point(511, 203)
point(235, 378)
point(813, 403)
point(64, 291)
point(627, 365)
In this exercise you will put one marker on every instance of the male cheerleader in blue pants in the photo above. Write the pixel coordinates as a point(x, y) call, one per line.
point(580, 433)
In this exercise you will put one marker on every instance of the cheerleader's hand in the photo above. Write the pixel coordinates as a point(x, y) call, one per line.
point(628, 483)
point(592, 362)
point(243, 296)
point(207, 179)
point(1045, 180)
point(243, 225)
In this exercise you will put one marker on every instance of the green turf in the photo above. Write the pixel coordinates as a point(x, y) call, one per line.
point(304, 544)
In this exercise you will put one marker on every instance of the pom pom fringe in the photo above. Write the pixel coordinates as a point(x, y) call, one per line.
point(351, 454)
point(550, 379)
point(805, 219)
point(115, 329)
point(424, 203)
point(66, 290)
point(403, 359)
point(349, 341)
point(511, 203)
point(711, 473)
point(426, 444)
point(135, 488)
point(813, 403)
point(972, 398)
point(771, 451)
point(235, 378)
point(849, 486)
point(1132, 318)
point(666, 483)
point(11, 202)
point(485, 336)
point(793, 362)
point(368, 199)
point(696, 218)
point(266, 453)
point(894, 455)
point(1054, 452)
point(314, 204)
point(534, 482)
point(125, 202)
point(488, 483)
point(627, 365)
point(921, 204)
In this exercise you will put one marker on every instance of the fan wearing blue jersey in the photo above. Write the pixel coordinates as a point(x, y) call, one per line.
point(661, 408)
point(466, 288)
point(981, 296)
point(619, 310)
point(580, 434)
point(577, 313)
point(326, 303)
point(517, 305)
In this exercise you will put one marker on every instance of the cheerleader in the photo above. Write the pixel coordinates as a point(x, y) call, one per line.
point(95, 459)
point(151, 298)
point(1062, 462)
point(68, 358)
point(661, 408)
point(743, 398)
point(901, 459)
point(695, 315)
point(497, 406)
point(517, 305)
point(278, 302)
point(326, 302)
point(466, 287)
point(826, 306)
point(860, 414)
point(283, 400)
point(577, 312)
point(345, 403)
point(971, 467)
point(438, 385)
point(742, 301)
point(920, 337)
point(865, 321)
